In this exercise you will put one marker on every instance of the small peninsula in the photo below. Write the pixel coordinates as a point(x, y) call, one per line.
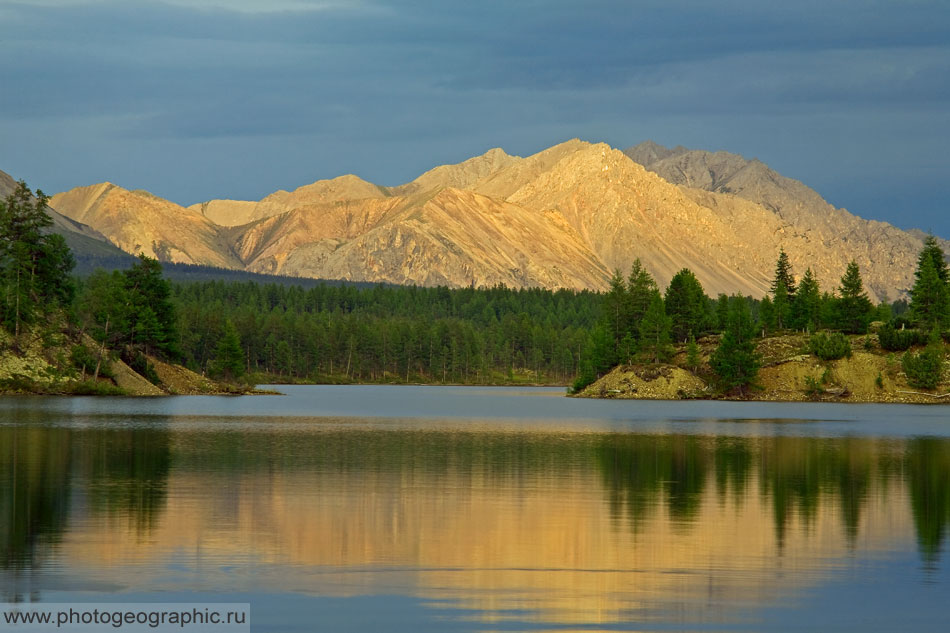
point(789, 372)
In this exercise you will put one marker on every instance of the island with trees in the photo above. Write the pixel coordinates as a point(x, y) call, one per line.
point(797, 343)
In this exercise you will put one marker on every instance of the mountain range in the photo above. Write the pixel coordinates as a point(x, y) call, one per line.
point(564, 217)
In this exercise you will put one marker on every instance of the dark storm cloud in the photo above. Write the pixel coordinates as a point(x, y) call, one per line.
point(817, 89)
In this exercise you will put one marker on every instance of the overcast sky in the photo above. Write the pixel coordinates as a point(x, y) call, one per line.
point(200, 99)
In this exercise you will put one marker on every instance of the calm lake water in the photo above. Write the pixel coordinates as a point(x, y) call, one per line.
point(377, 508)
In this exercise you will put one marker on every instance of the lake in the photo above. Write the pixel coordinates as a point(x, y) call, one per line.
point(378, 508)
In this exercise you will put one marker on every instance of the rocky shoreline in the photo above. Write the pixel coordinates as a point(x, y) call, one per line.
point(43, 370)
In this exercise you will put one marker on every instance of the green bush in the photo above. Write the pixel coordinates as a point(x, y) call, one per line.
point(92, 388)
point(894, 339)
point(830, 347)
point(585, 378)
point(814, 387)
point(924, 369)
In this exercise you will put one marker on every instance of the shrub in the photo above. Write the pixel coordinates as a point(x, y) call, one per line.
point(813, 387)
point(830, 347)
point(894, 339)
point(585, 378)
point(924, 369)
point(91, 388)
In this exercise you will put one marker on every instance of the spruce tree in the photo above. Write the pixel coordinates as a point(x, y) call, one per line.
point(930, 296)
point(655, 331)
point(853, 306)
point(736, 360)
point(933, 250)
point(806, 309)
point(640, 287)
point(783, 276)
point(783, 291)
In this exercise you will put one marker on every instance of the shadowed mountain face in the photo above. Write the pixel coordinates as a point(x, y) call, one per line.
point(873, 244)
point(86, 243)
point(565, 217)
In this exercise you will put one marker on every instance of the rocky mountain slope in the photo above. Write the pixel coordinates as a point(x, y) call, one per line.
point(139, 222)
point(565, 217)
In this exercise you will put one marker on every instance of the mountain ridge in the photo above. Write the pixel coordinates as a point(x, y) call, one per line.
point(563, 217)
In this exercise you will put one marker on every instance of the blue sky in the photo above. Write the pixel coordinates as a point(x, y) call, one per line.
point(200, 99)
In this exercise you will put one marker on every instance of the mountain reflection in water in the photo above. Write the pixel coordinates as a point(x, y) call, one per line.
point(568, 529)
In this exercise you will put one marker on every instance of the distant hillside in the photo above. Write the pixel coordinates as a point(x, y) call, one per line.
point(564, 217)
point(188, 273)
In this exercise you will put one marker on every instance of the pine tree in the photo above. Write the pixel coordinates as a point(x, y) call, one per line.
point(146, 288)
point(147, 331)
point(930, 296)
point(35, 265)
point(736, 361)
point(655, 331)
point(686, 305)
point(853, 306)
